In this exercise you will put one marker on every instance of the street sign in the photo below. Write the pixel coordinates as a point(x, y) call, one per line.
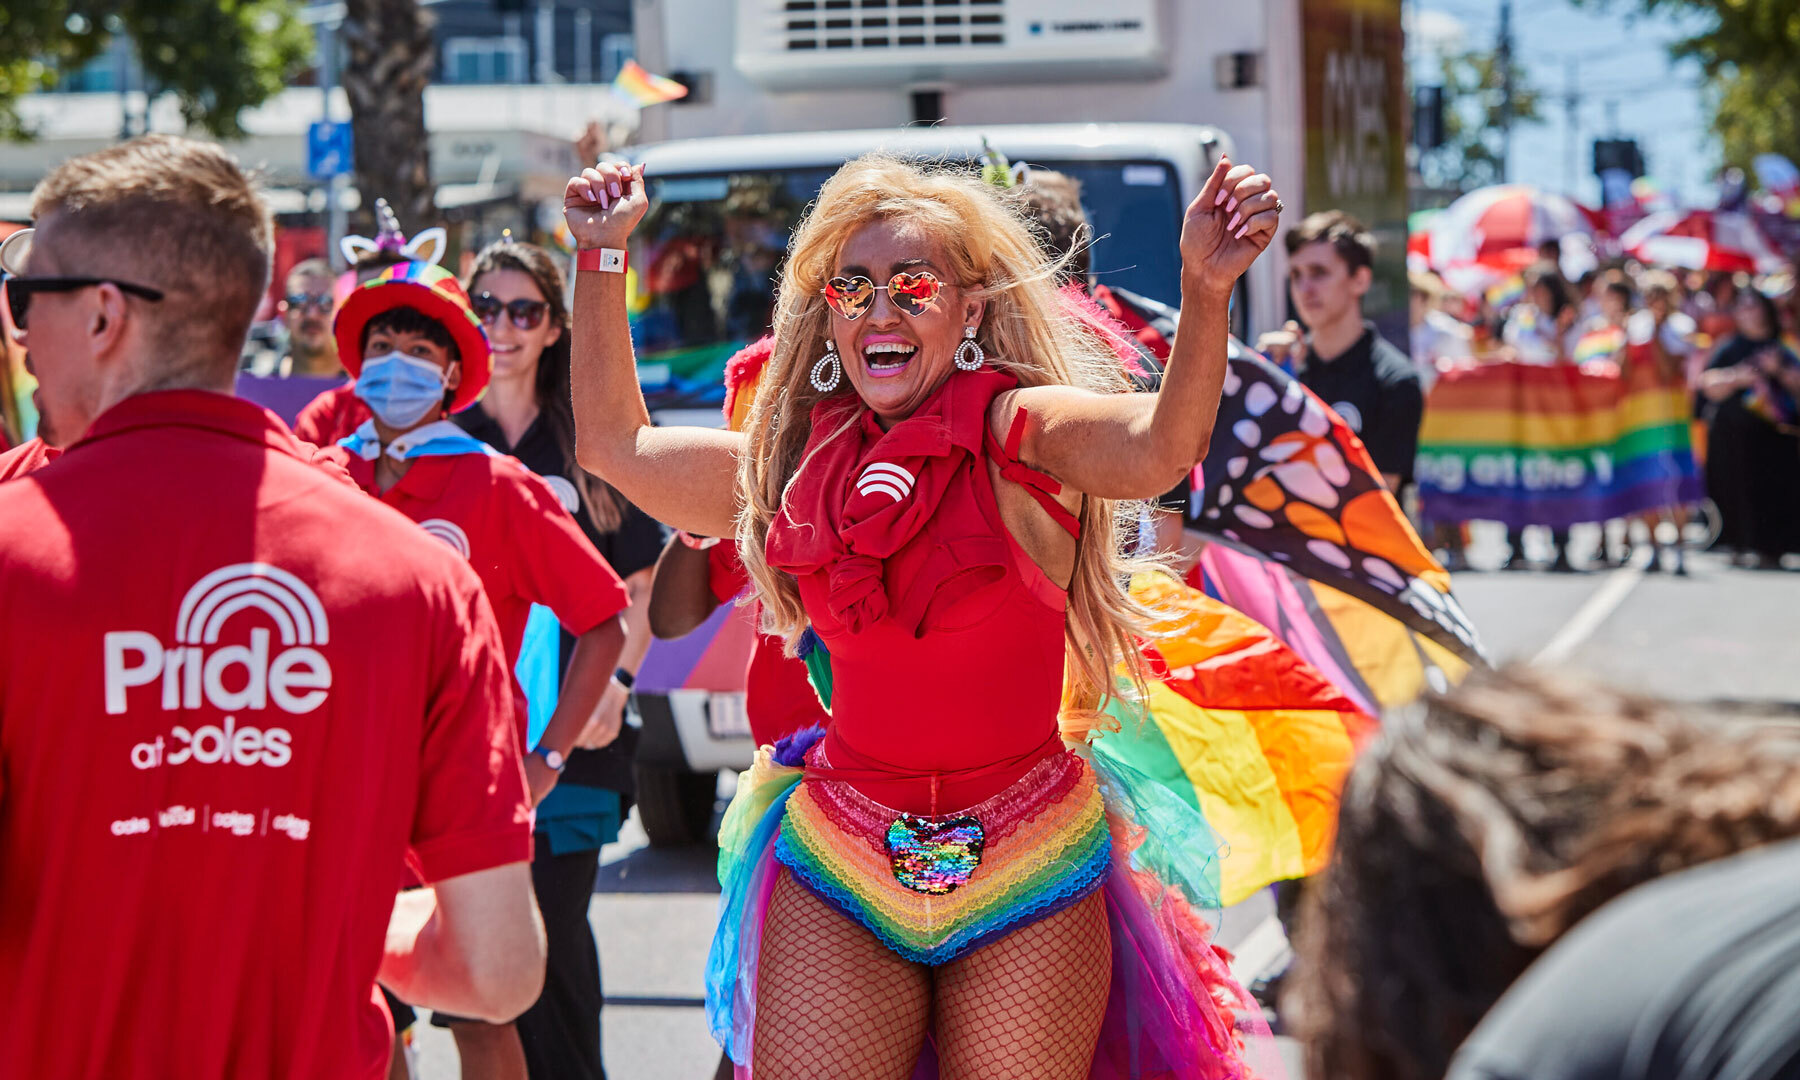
point(327, 149)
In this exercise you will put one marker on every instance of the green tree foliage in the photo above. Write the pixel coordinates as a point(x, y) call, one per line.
point(218, 57)
point(1756, 110)
point(1473, 113)
point(1750, 51)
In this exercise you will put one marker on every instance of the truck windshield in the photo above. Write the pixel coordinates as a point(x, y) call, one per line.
point(705, 259)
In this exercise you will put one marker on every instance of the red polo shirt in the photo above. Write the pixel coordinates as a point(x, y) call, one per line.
point(331, 416)
point(27, 457)
point(510, 526)
point(778, 696)
point(234, 694)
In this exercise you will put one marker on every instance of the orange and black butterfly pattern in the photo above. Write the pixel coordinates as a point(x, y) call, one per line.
point(1286, 479)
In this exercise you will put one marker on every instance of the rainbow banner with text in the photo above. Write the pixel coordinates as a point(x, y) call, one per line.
point(1527, 444)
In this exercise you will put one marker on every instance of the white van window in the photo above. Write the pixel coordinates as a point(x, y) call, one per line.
point(706, 256)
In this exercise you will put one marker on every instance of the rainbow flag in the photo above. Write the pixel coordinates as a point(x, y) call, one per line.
point(1243, 730)
point(1603, 344)
point(641, 88)
point(1526, 444)
point(1505, 294)
point(1377, 660)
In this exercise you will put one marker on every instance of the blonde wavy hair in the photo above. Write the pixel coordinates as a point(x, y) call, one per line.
point(1026, 331)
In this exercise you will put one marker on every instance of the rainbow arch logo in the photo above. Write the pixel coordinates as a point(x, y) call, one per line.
point(295, 609)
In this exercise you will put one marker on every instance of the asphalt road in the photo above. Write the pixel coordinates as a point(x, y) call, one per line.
point(1717, 635)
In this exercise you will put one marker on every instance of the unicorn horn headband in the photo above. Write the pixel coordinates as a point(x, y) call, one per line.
point(998, 171)
point(427, 247)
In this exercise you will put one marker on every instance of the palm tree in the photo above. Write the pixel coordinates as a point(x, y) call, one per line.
point(389, 61)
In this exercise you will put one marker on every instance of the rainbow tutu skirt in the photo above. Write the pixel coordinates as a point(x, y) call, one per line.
point(932, 888)
point(935, 888)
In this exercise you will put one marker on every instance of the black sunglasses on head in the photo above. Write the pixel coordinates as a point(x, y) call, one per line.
point(525, 314)
point(19, 291)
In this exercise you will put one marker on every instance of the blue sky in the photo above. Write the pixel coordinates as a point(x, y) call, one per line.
point(1619, 57)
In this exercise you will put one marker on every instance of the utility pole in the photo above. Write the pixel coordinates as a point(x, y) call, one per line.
point(1571, 107)
point(335, 219)
point(545, 33)
point(1503, 54)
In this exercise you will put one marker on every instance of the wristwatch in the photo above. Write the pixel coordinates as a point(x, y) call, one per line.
point(552, 758)
point(625, 678)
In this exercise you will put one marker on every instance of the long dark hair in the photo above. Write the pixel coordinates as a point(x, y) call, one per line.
point(605, 507)
point(1561, 296)
point(1475, 832)
point(1771, 313)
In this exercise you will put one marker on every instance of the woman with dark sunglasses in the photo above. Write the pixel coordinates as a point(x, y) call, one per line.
point(516, 290)
point(934, 483)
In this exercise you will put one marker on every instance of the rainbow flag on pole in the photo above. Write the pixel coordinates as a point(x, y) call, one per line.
point(1243, 730)
point(641, 88)
point(1505, 294)
point(1603, 344)
point(1554, 445)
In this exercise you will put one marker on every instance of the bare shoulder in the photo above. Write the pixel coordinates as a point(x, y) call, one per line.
point(1038, 405)
point(1046, 405)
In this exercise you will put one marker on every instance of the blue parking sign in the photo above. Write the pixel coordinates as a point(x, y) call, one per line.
point(327, 149)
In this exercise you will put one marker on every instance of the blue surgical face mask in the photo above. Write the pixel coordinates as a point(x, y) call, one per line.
point(401, 390)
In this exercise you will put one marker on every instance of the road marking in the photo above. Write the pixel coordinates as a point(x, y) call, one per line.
point(1263, 951)
point(1596, 609)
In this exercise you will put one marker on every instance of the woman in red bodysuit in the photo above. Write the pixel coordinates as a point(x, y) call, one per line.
point(930, 479)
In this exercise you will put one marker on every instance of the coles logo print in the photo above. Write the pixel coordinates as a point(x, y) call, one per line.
point(449, 532)
point(195, 669)
point(887, 479)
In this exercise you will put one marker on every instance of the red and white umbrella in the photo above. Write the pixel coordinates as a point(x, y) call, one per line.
point(1502, 227)
point(1701, 240)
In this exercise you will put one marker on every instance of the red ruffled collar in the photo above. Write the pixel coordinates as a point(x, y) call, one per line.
point(862, 496)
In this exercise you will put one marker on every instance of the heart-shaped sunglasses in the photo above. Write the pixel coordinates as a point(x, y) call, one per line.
point(911, 293)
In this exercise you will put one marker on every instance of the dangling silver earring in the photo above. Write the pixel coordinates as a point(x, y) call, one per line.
point(969, 356)
point(826, 383)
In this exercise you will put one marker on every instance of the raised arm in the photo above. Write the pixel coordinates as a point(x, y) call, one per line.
point(1137, 446)
point(683, 476)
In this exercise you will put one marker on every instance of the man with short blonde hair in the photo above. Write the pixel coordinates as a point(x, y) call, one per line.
point(223, 729)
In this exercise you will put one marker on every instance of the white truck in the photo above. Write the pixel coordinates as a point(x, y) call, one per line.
point(1136, 101)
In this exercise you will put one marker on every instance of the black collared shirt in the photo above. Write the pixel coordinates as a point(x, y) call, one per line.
point(1375, 388)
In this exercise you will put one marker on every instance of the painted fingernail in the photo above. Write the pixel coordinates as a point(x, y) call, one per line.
point(1242, 231)
point(1232, 205)
point(614, 188)
point(1221, 197)
point(1233, 223)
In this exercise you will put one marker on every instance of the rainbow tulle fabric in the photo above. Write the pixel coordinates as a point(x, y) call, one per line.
point(1044, 845)
point(1173, 1010)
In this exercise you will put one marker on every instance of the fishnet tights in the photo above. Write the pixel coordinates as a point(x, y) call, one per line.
point(1029, 1006)
point(833, 1002)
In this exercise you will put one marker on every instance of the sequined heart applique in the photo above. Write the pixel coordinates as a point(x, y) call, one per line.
point(934, 856)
